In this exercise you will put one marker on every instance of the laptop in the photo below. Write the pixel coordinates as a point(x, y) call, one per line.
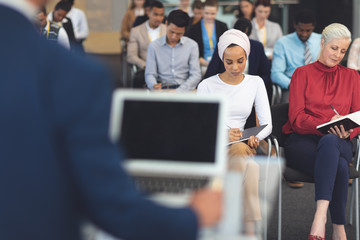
point(168, 136)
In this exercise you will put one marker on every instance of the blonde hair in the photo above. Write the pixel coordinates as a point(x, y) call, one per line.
point(335, 31)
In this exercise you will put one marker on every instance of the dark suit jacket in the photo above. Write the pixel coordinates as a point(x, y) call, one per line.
point(195, 33)
point(68, 26)
point(258, 63)
point(57, 165)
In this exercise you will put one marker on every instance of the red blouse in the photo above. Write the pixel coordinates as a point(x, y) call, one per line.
point(313, 88)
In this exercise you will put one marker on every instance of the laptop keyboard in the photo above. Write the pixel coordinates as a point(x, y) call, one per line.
point(152, 185)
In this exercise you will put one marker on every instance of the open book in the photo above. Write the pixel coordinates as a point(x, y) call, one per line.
point(349, 121)
point(247, 133)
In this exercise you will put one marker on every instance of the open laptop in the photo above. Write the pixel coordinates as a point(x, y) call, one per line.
point(167, 136)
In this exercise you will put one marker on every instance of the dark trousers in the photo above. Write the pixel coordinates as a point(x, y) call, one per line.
point(139, 79)
point(326, 159)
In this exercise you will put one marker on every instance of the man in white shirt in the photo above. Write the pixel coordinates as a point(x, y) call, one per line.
point(140, 38)
point(52, 31)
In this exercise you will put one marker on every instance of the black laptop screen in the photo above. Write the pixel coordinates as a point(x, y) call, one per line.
point(175, 131)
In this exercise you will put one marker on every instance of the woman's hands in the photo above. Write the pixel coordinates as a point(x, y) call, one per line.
point(339, 131)
point(234, 134)
point(253, 142)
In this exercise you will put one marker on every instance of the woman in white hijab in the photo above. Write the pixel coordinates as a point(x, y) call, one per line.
point(243, 92)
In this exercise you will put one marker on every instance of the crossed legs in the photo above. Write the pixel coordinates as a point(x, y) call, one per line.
point(326, 159)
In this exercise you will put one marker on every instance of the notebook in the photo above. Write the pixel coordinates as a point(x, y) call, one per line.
point(247, 133)
point(167, 136)
point(349, 121)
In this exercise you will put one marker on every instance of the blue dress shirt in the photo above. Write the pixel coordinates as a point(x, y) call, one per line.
point(173, 65)
point(289, 55)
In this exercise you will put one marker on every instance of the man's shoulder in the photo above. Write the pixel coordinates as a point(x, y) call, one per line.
point(288, 38)
point(315, 36)
point(188, 42)
point(139, 28)
point(158, 42)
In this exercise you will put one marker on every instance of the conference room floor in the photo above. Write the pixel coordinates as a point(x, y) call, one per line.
point(298, 208)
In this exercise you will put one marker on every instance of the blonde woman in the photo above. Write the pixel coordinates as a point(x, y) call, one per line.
point(314, 88)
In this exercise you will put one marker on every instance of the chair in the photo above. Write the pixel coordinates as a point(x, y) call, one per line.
point(276, 94)
point(280, 117)
point(123, 61)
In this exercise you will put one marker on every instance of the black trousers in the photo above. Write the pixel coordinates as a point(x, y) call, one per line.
point(327, 159)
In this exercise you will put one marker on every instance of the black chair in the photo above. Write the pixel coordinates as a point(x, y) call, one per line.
point(276, 94)
point(279, 114)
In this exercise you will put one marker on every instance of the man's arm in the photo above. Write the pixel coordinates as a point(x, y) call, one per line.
point(278, 67)
point(151, 74)
point(133, 49)
point(194, 70)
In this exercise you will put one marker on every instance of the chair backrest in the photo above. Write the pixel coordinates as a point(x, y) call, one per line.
point(279, 113)
point(251, 120)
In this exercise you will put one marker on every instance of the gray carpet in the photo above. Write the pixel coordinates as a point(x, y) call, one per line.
point(298, 208)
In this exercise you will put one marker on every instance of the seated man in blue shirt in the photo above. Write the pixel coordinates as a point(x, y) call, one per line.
point(290, 51)
point(172, 60)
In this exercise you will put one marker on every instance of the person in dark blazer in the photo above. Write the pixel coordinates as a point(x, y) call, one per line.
point(58, 166)
point(207, 32)
point(258, 63)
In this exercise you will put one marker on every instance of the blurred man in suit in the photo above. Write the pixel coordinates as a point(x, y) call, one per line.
point(140, 38)
point(58, 166)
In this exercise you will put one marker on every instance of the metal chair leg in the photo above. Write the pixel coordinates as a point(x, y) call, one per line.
point(351, 206)
point(357, 222)
point(277, 149)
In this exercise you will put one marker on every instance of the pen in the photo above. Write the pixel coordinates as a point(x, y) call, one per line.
point(334, 110)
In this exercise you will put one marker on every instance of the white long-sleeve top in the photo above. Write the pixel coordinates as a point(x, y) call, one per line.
point(80, 24)
point(241, 98)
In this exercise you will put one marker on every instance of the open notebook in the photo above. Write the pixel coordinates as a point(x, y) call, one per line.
point(349, 121)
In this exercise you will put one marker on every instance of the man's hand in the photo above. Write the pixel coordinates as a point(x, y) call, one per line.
point(207, 204)
point(157, 86)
